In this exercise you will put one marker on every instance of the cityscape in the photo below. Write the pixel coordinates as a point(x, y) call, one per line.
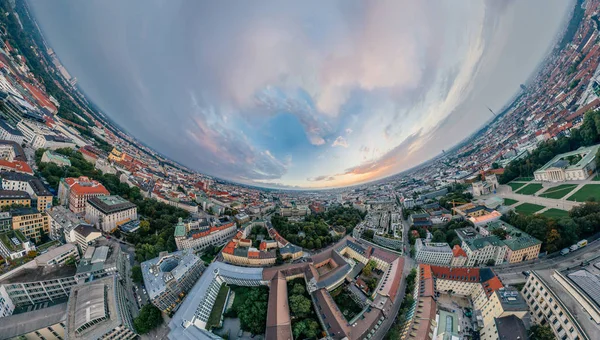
point(495, 236)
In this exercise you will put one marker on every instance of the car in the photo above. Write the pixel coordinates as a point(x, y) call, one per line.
point(526, 272)
point(565, 251)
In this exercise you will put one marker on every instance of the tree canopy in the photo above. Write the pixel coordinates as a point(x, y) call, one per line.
point(149, 318)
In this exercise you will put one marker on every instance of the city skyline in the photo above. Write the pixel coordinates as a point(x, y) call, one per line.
point(280, 97)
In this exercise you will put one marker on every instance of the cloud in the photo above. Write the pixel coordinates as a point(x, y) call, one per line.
point(321, 179)
point(340, 141)
point(349, 131)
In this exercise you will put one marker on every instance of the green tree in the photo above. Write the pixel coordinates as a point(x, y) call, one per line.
point(253, 312)
point(538, 332)
point(71, 261)
point(368, 234)
point(149, 318)
point(298, 289)
point(136, 274)
point(300, 306)
point(490, 262)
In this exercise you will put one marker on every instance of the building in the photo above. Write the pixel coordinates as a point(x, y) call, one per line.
point(485, 187)
point(200, 234)
point(107, 213)
point(30, 222)
point(56, 158)
point(100, 310)
point(74, 192)
point(12, 151)
point(169, 277)
point(41, 197)
point(419, 220)
point(84, 235)
point(520, 245)
point(189, 322)
point(477, 214)
point(62, 223)
point(14, 198)
point(294, 211)
point(504, 302)
point(45, 323)
point(14, 245)
point(550, 303)
point(481, 250)
point(507, 327)
point(5, 221)
point(459, 257)
point(388, 241)
point(576, 165)
point(8, 132)
point(6, 305)
point(239, 251)
point(15, 166)
point(58, 256)
point(433, 253)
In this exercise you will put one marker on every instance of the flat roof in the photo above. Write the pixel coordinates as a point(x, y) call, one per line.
point(23, 323)
point(590, 155)
point(159, 270)
point(110, 204)
point(40, 274)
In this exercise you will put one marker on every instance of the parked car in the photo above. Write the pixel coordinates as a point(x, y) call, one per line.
point(565, 251)
point(574, 247)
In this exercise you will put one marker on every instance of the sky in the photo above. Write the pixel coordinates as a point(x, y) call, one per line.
point(308, 94)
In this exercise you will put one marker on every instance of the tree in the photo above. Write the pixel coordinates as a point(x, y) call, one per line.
point(368, 234)
point(538, 332)
point(490, 262)
point(253, 312)
point(439, 236)
point(300, 306)
point(501, 233)
point(149, 318)
point(136, 274)
point(369, 268)
point(495, 165)
point(71, 261)
point(298, 289)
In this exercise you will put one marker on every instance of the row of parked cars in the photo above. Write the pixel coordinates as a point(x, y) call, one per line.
point(574, 247)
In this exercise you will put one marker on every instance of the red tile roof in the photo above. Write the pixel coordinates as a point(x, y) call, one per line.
point(17, 166)
point(458, 251)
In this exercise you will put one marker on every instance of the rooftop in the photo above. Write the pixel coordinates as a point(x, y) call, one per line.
point(23, 323)
point(511, 327)
point(160, 270)
point(588, 155)
point(37, 274)
point(110, 204)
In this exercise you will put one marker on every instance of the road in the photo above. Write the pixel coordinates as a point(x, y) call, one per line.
point(409, 264)
point(512, 274)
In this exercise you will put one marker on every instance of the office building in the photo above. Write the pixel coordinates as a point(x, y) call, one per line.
point(169, 277)
point(43, 323)
point(100, 309)
point(41, 197)
point(62, 223)
point(14, 245)
point(74, 192)
point(198, 235)
point(10, 133)
point(30, 222)
point(432, 253)
point(481, 250)
point(107, 213)
point(10, 198)
point(84, 235)
point(520, 246)
point(477, 214)
point(58, 256)
point(576, 165)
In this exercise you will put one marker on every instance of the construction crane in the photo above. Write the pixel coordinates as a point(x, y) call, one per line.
point(454, 203)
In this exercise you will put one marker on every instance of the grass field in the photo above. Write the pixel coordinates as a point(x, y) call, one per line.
point(596, 178)
point(530, 189)
point(217, 310)
point(586, 192)
point(556, 213)
point(528, 208)
point(558, 191)
point(510, 201)
point(516, 186)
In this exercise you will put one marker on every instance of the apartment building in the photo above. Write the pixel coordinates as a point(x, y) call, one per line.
point(520, 246)
point(30, 222)
point(169, 277)
point(74, 192)
point(58, 256)
point(107, 213)
point(481, 249)
point(13, 197)
point(62, 222)
point(14, 245)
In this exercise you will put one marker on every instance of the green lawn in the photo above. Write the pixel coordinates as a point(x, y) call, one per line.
point(558, 191)
point(516, 186)
point(586, 192)
point(528, 208)
point(510, 201)
point(596, 178)
point(556, 213)
point(530, 189)
point(217, 310)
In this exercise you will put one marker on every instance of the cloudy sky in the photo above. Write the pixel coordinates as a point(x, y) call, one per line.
point(303, 93)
